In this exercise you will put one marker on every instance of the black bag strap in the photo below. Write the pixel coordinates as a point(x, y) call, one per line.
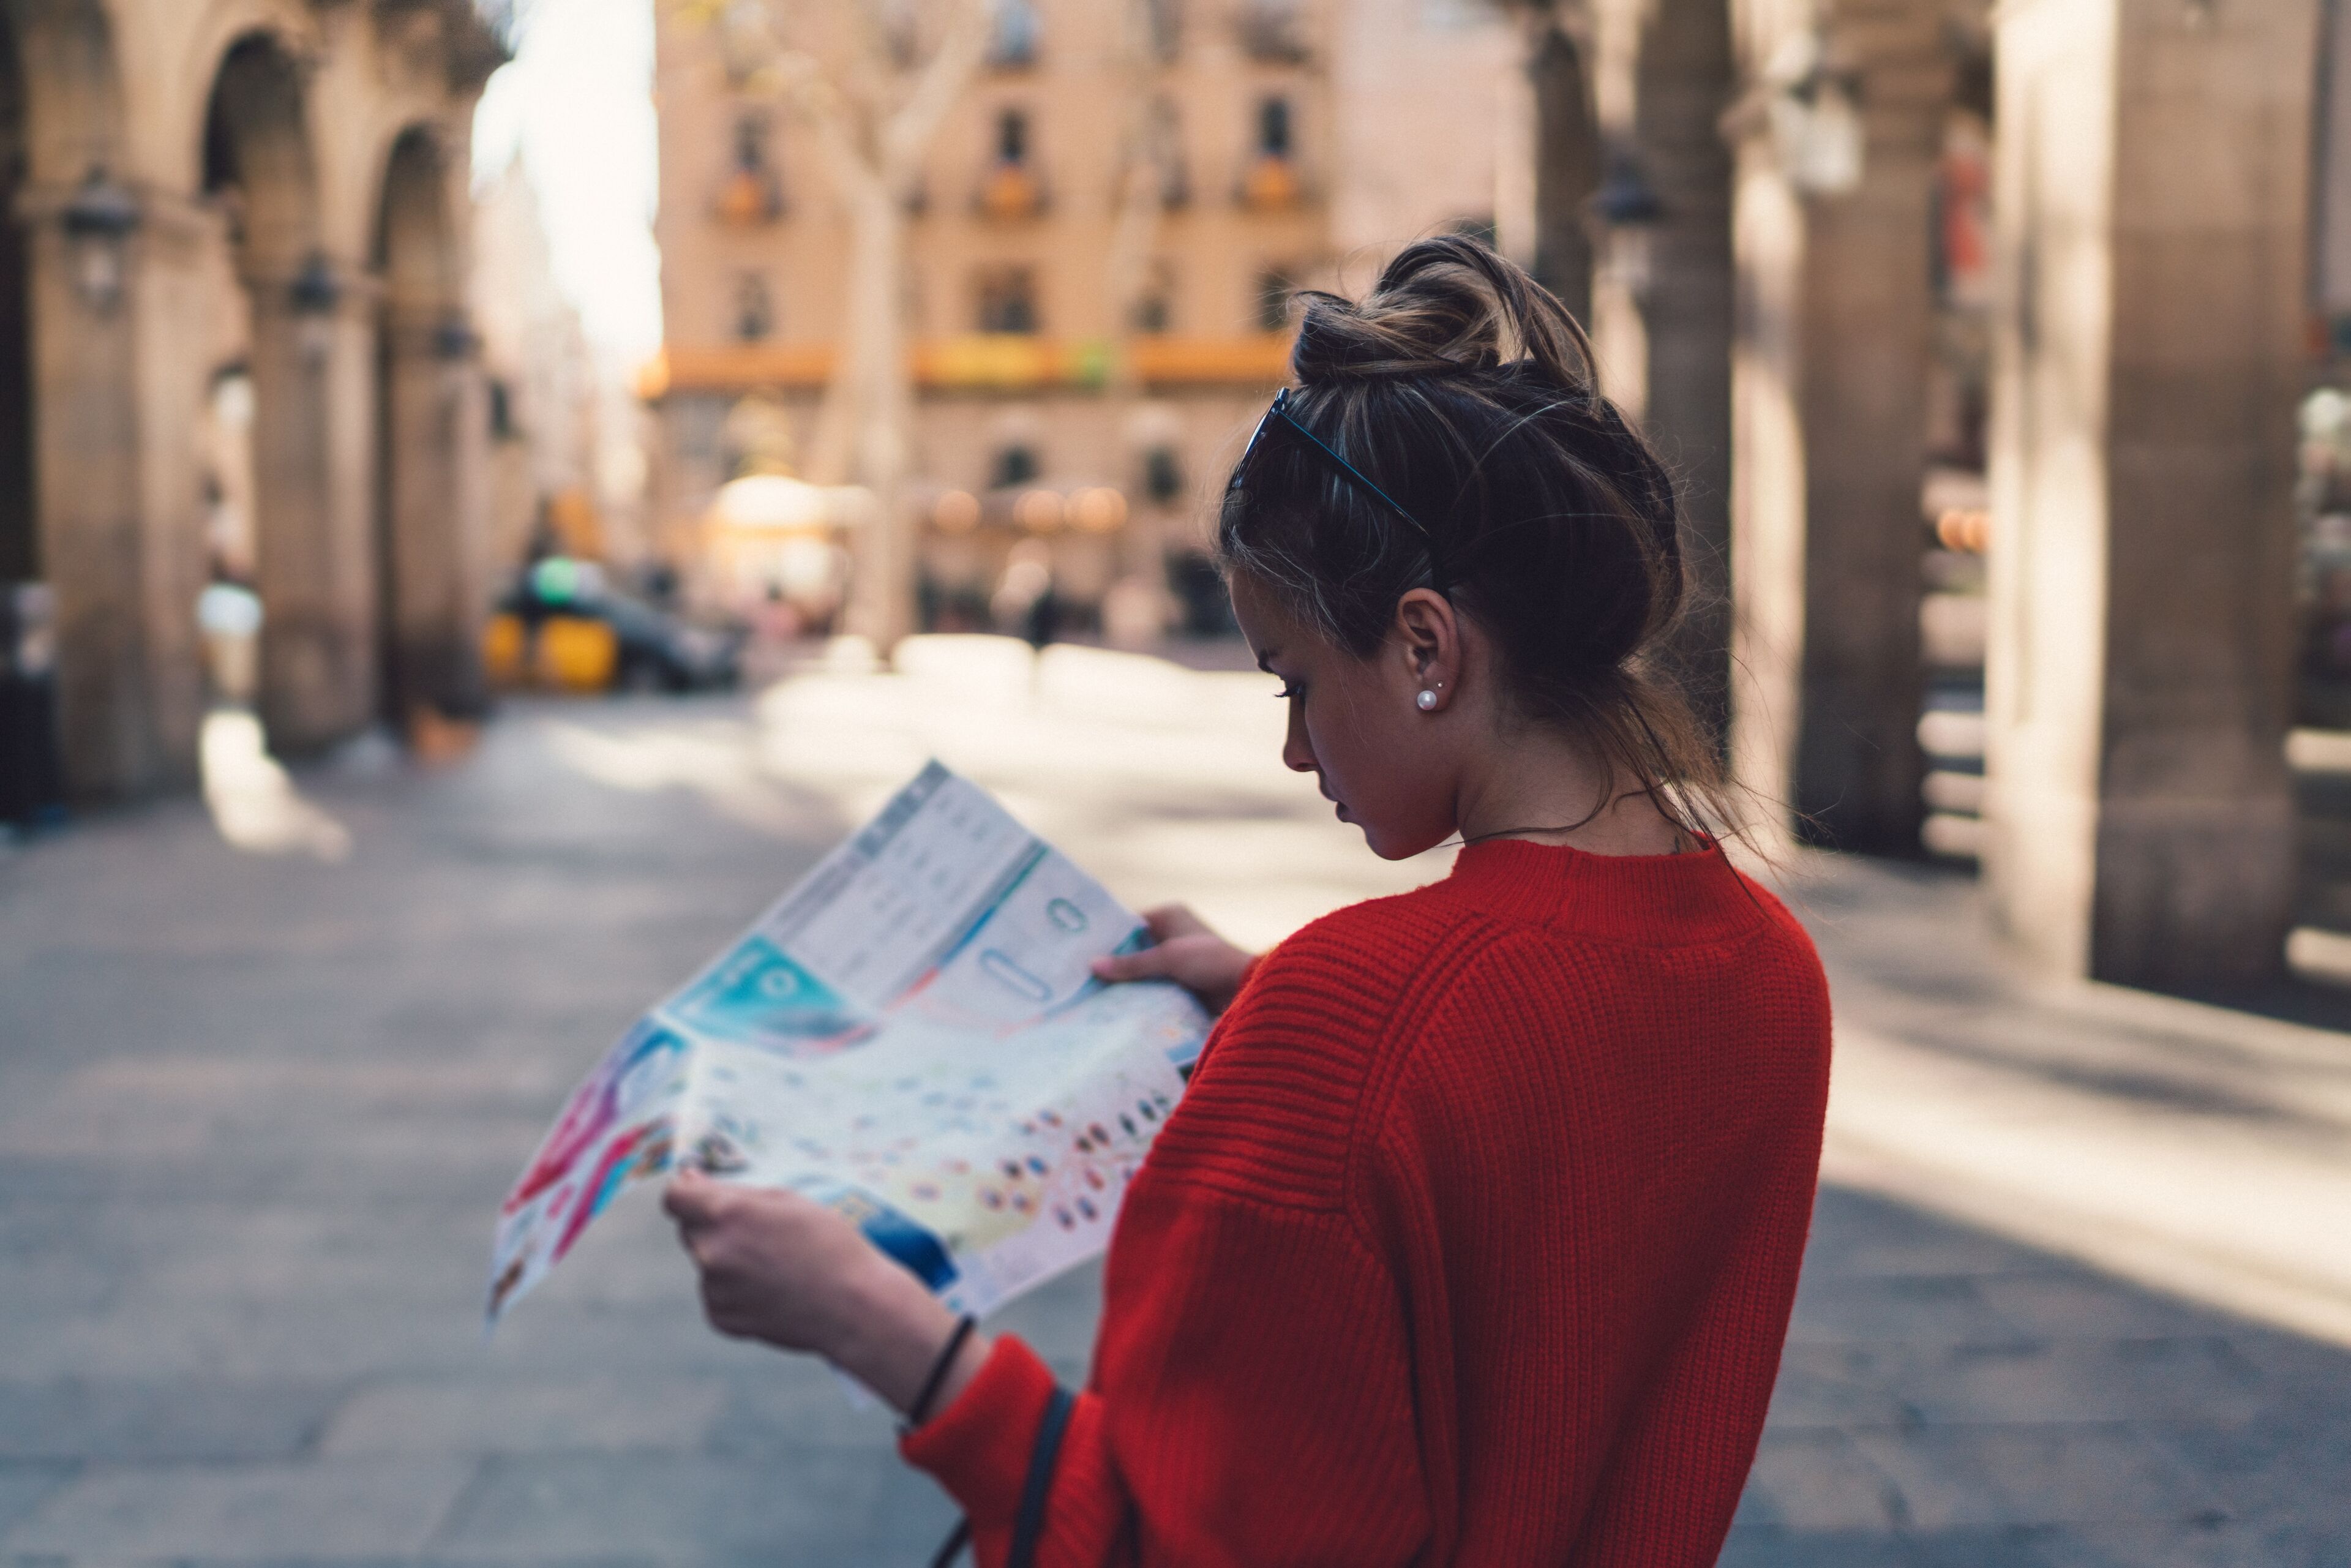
point(957, 1539)
point(1029, 1522)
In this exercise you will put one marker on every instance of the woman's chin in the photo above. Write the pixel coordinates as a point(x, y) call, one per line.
point(1393, 846)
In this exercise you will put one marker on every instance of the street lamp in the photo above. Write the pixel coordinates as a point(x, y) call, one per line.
point(315, 293)
point(1628, 211)
point(1815, 116)
point(99, 222)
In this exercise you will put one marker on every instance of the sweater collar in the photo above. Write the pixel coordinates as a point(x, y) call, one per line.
point(1682, 900)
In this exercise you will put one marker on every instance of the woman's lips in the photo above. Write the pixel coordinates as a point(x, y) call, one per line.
point(1340, 807)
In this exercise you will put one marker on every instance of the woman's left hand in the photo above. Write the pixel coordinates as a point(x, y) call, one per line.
point(780, 1268)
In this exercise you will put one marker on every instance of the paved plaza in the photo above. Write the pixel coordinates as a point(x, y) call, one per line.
point(2079, 1291)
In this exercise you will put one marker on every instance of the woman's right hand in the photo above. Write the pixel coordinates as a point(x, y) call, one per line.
point(1186, 951)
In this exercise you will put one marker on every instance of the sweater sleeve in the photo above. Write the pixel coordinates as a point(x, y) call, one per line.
point(1252, 1399)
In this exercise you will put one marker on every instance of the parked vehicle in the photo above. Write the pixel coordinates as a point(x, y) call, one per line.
point(564, 625)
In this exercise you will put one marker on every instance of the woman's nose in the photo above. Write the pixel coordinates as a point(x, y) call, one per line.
point(1297, 750)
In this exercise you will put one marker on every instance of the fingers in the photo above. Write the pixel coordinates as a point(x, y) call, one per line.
point(692, 1200)
point(1151, 964)
point(1173, 920)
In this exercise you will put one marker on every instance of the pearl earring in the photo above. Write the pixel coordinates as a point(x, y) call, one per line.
point(1426, 700)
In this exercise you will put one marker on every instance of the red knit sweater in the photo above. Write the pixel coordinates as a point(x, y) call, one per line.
point(1472, 1242)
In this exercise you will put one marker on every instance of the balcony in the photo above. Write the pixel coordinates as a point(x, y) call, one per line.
point(1272, 183)
point(1011, 193)
point(749, 199)
point(979, 361)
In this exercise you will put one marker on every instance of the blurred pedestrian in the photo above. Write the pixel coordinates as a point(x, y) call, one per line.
point(1475, 1236)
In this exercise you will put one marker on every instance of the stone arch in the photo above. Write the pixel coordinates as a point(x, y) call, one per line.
point(426, 396)
point(256, 144)
point(311, 456)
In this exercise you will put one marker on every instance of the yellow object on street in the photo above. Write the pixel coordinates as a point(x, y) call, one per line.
point(568, 654)
point(575, 655)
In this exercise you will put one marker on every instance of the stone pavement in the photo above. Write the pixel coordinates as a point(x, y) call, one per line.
point(256, 1111)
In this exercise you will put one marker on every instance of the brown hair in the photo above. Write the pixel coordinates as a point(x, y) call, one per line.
point(1465, 392)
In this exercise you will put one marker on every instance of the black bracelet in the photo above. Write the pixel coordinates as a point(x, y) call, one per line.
point(939, 1368)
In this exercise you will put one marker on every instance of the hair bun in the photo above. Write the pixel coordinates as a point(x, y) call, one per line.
point(1444, 306)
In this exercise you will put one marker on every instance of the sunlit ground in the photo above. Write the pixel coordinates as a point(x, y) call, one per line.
point(254, 801)
point(1163, 781)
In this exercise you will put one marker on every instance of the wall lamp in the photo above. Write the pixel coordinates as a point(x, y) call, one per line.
point(314, 294)
point(98, 221)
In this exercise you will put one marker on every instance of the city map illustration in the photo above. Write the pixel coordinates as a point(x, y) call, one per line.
point(913, 1035)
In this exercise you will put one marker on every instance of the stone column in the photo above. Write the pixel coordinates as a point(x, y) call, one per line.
point(1835, 313)
point(2152, 193)
point(114, 470)
point(314, 439)
point(432, 514)
point(1682, 85)
point(1567, 167)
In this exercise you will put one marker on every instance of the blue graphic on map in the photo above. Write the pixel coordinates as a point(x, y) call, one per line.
point(757, 995)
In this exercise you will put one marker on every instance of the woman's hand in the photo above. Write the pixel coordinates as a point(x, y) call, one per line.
point(1187, 952)
point(780, 1268)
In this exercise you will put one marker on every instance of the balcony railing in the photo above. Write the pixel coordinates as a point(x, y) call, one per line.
point(1011, 193)
point(978, 361)
point(749, 198)
point(1272, 183)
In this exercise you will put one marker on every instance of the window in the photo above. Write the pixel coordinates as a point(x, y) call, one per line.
point(755, 311)
point(751, 142)
point(1154, 306)
point(1273, 290)
point(1164, 19)
point(752, 195)
point(1273, 127)
point(1162, 474)
point(1015, 465)
point(1273, 32)
point(1008, 299)
point(1018, 32)
point(1012, 136)
point(1163, 145)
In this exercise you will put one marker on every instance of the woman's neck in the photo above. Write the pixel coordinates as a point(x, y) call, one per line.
point(1546, 789)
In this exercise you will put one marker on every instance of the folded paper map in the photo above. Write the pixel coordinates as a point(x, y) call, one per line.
point(913, 1035)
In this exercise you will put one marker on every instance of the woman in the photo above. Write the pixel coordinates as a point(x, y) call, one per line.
point(1474, 1238)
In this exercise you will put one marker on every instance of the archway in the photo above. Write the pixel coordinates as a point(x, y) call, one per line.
point(307, 358)
point(428, 424)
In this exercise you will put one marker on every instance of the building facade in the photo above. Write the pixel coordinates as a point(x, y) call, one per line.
point(234, 326)
point(1066, 419)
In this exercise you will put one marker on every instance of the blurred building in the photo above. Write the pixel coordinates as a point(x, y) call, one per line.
point(541, 387)
point(234, 343)
point(1063, 441)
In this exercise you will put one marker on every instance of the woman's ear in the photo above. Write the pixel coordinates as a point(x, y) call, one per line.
point(1428, 633)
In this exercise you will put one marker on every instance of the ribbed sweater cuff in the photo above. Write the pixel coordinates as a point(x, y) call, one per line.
point(978, 1446)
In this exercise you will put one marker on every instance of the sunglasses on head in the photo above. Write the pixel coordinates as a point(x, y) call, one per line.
point(1278, 422)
